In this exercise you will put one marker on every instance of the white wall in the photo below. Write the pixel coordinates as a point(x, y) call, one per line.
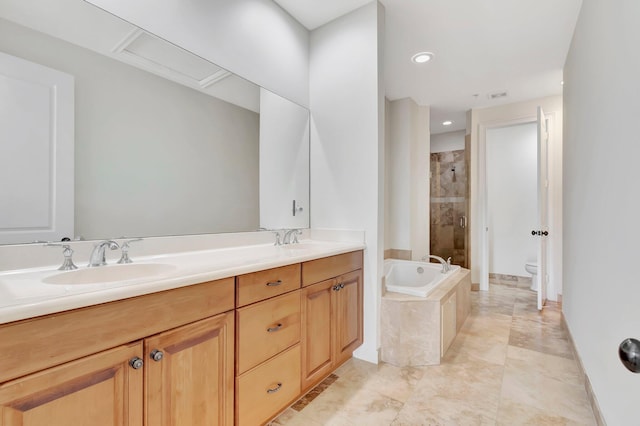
point(512, 154)
point(134, 176)
point(407, 170)
point(284, 162)
point(347, 143)
point(449, 141)
point(478, 122)
point(601, 201)
point(397, 166)
point(255, 39)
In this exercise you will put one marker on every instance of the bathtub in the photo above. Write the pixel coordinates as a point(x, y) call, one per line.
point(414, 278)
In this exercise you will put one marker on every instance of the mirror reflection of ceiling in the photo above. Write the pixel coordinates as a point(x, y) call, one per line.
point(175, 155)
point(85, 25)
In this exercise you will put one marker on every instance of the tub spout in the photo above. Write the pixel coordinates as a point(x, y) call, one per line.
point(446, 266)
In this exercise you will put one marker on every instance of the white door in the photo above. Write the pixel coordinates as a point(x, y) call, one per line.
point(36, 152)
point(543, 224)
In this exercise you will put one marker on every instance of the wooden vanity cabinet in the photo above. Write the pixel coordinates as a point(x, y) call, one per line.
point(331, 315)
point(189, 383)
point(237, 350)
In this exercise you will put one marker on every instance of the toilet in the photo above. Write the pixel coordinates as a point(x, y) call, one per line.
point(532, 268)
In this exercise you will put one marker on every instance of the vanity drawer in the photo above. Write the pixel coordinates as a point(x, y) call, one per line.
point(323, 269)
point(265, 329)
point(262, 285)
point(263, 392)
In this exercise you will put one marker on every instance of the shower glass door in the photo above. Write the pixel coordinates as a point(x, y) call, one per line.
point(449, 189)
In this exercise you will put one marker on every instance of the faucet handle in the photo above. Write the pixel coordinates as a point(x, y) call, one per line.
point(295, 234)
point(278, 238)
point(67, 252)
point(125, 251)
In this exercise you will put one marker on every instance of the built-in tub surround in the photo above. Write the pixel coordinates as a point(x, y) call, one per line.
point(190, 260)
point(418, 330)
point(414, 278)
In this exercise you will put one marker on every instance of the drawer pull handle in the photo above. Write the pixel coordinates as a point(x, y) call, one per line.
point(276, 389)
point(276, 328)
point(274, 283)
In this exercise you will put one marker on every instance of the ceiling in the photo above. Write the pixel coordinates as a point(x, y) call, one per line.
point(481, 48)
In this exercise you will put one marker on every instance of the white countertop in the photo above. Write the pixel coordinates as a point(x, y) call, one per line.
point(24, 294)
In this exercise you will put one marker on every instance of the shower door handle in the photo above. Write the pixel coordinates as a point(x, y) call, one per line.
point(463, 222)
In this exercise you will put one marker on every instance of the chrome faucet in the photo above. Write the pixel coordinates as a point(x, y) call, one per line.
point(98, 257)
point(124, 258)
point(291, 236)
point(67, 252)
point(446, 264)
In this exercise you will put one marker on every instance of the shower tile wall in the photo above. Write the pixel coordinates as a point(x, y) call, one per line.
point(448, 205)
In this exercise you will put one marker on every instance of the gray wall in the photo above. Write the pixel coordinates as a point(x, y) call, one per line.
point(152, 157)
point(601, 202)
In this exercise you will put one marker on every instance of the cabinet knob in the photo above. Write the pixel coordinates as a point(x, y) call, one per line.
point(274, 283)
point(156, 355)
point(136, 363)
point(276, 389)
point(338, 287)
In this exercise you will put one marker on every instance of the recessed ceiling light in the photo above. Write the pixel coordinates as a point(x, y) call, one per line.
point(447, 123)
point(422, 57)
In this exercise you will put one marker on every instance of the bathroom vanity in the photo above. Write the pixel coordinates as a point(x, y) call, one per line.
point(232, 350)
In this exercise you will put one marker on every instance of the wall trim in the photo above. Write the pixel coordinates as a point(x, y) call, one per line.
point(587, 383)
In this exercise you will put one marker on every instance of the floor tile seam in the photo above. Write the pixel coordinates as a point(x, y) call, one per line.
point(556, 380)
point(549, 410)
point(537, 409)
point(370, 388)
point(501, 388)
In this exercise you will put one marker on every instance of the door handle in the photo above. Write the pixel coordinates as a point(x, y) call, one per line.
point(463, 222)
point(629, 352)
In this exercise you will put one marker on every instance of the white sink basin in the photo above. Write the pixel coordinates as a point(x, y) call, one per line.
point(110, 273)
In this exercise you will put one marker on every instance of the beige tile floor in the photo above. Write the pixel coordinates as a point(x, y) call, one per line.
point(509, 365)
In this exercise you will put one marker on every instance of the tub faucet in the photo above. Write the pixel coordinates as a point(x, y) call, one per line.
point(445, 264)
point(97, 255)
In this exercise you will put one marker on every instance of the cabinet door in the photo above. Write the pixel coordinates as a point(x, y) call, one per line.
point(99, 389)
point(348, 316)
point(316, 332)
point(190, 380)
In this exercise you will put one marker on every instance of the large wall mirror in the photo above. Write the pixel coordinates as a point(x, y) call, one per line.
point(165, 142)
